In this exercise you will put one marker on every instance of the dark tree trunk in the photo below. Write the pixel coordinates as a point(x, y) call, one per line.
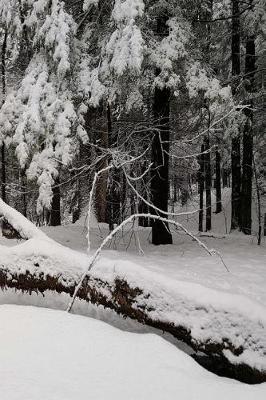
point(101, 185)
point(143, 208)
point(208, 184)
point(3, 173)
point(235, 155)
point(160, 154)
point(246, 195)
point(3, 149)
point(24, 189)
point(207, 156)
point(225, 177)
point(76, 202)
point(113, 207)
point(55, 213)
point(201, 188)
point(160, 165)
point(218, 182)
point(174, 189)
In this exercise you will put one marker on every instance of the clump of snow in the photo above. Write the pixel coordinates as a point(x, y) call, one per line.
point(53, 355)
point(88, 3)
point(125, 47)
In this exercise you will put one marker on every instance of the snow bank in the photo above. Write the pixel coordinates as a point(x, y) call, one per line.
point(212, 321)
point(54, 355)
point(223, 321)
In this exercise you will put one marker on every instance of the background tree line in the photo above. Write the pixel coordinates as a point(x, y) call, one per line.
point(158, 98)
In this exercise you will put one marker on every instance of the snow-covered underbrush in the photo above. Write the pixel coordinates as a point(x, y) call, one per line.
point(217, 323)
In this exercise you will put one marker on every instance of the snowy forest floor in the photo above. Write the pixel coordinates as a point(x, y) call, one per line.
point(184, 260)
point(57, 356)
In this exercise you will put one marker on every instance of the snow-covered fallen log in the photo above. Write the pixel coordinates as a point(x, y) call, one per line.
point(229, 329)
point(24, 228)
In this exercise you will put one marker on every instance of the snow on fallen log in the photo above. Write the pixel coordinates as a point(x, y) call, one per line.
point(19, 223)
point(226, 327)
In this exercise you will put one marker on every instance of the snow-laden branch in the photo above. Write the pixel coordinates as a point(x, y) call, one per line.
point(128, 178)
point(93, 260)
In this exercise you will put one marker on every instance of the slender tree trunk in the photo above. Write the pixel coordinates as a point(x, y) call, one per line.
point(258, 203)
point(76, 201)
point(246, 196)
point(174, 189)
point(218, 182)
point(225, 178)
point(201, 188)
point(3, 149)
point(207, 156)
point(143, 208)
point(208, 184)
point(114, 187)
point(55, 213)
point(101, 185)
point(235, 155)
point(24, 189)
point(160, 154)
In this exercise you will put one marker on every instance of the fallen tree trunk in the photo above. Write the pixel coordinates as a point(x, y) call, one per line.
point(227, 331)
point(125, 300)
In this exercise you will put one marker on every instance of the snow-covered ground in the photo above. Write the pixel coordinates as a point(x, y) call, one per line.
point(184, 260)
point(52, 355)
point(185, 284)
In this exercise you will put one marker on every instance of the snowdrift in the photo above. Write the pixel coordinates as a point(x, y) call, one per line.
point(229, 329)
point(71, 357)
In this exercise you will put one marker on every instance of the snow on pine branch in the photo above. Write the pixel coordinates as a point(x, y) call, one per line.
point(88, 3)
point(166, 52)
point(43, 118)
point(55, 34)
point(126, 45)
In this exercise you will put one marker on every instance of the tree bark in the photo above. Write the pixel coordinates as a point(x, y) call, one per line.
point(3, 148)
point(160, 165)
point(235, 154)
point(101, 185)
point(55, 213)
point(218, 182)
point(208, 184)
point(201, 188)
point(160, 154)
point(23, 178)
point(143, 207)
point(113, 207)
point(247, 165)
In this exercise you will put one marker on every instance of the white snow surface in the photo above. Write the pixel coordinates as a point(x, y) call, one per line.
point(53, 355)
point(186, 285)
point(209, 313)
